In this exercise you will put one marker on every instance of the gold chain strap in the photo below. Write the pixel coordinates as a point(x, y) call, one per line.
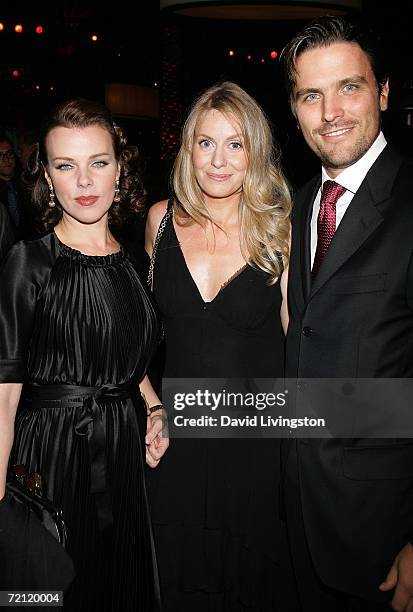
point(161, 230)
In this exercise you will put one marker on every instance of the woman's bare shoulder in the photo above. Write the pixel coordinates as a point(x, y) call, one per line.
point(157, 212)
point(155, 216)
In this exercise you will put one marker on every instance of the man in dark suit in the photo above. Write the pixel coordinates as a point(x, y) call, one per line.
point(6, 232)
point(13, 194)
point(349, 502)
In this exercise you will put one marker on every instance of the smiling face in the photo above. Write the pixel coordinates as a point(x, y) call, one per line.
point(337, 103)
point(218, 156)
point(83, 169)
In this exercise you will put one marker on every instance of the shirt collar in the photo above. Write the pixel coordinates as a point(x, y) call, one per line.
point(352, 177)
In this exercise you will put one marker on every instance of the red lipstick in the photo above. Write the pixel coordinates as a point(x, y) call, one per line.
point(86, 200)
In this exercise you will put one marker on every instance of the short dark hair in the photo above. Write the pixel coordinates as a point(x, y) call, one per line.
point(5, 138)
point(325, 31)
point(81, 113)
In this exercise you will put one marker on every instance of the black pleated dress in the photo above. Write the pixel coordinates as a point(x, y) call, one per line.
point(79, 331)
point(215, 503)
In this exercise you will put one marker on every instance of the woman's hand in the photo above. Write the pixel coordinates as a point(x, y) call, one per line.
point(156, 440)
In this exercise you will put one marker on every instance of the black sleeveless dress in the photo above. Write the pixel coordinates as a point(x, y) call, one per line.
point(79, 331)
point(214, 503)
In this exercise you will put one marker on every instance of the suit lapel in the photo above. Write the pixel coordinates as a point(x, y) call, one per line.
point(361, 219)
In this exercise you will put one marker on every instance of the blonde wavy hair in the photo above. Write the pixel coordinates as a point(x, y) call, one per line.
point(265, 203)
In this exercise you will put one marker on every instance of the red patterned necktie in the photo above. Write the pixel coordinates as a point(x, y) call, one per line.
point(326, 222)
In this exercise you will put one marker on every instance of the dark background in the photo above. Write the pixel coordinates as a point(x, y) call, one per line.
point(179, 56)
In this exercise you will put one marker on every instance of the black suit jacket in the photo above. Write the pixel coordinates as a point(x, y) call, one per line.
point(357, 317)
point(26, 229)
point(6, 231)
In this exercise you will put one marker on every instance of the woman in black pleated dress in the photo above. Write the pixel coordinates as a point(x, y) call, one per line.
point(221, 249)
point(78, 329)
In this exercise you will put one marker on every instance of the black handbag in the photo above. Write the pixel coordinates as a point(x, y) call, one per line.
point(32, 538)
point(27, 489)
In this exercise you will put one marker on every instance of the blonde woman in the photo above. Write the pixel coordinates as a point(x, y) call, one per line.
point(216, 278)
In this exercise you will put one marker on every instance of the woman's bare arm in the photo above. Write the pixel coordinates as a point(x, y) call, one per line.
point(284, 304)
point(155, 216)
point(9, 400)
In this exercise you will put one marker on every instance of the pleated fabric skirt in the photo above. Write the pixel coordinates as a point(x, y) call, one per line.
point(115, 564)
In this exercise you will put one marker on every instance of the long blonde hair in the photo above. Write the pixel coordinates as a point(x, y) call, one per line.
point(265, 200)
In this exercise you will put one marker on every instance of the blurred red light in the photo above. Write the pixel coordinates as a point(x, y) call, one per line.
point(39, 29)
point(273, 54)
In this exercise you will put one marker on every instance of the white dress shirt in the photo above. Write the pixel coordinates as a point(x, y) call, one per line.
point(350, 178)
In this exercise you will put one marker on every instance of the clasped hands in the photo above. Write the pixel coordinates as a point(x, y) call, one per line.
point(156, 439)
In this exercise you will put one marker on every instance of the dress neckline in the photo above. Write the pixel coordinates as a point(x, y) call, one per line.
point(224, 285)
point(97, 260)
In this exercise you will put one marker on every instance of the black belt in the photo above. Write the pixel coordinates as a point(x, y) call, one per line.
point(88, 424)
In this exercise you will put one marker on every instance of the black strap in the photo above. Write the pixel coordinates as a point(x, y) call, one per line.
point(161, 229)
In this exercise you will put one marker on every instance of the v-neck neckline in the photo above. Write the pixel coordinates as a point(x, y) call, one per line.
point(224, 285)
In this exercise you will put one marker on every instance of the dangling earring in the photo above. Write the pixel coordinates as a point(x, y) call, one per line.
point(117, 191)
point(52, 203)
